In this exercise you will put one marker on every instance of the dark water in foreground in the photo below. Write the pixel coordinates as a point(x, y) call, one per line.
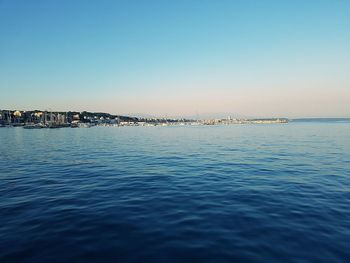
point(250, 193)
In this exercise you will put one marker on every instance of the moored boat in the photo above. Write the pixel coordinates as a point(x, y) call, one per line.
point(34, 126)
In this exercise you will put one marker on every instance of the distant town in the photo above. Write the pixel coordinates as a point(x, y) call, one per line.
point(52, 119)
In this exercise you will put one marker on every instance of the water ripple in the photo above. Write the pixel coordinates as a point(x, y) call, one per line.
point(269, 193)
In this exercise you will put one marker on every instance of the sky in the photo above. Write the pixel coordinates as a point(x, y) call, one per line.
point(177, 58)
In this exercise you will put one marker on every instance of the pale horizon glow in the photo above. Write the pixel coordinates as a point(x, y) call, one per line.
point(178, 58)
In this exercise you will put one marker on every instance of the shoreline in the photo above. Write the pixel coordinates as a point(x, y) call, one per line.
point(217, 122)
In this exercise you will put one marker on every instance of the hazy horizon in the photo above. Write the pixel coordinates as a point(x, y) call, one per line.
point(177, 59)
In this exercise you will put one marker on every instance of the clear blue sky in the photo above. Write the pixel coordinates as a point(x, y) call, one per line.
point(177, 58)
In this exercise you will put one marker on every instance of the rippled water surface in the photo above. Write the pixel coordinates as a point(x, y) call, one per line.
point(240, 193)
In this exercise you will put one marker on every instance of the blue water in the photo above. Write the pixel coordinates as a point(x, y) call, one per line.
point(240, 193)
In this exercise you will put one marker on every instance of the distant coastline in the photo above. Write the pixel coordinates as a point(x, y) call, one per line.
point(37, 119)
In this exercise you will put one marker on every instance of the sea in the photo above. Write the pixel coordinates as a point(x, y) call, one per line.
point(225, 193)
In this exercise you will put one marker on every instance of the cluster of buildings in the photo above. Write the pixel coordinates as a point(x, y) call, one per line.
point(229, 120)
point(45, 119)
point(37, 119)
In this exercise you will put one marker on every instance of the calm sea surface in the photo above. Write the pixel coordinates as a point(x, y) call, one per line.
point(240, 193)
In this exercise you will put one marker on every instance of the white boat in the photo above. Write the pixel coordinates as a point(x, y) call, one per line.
point(84, 125)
